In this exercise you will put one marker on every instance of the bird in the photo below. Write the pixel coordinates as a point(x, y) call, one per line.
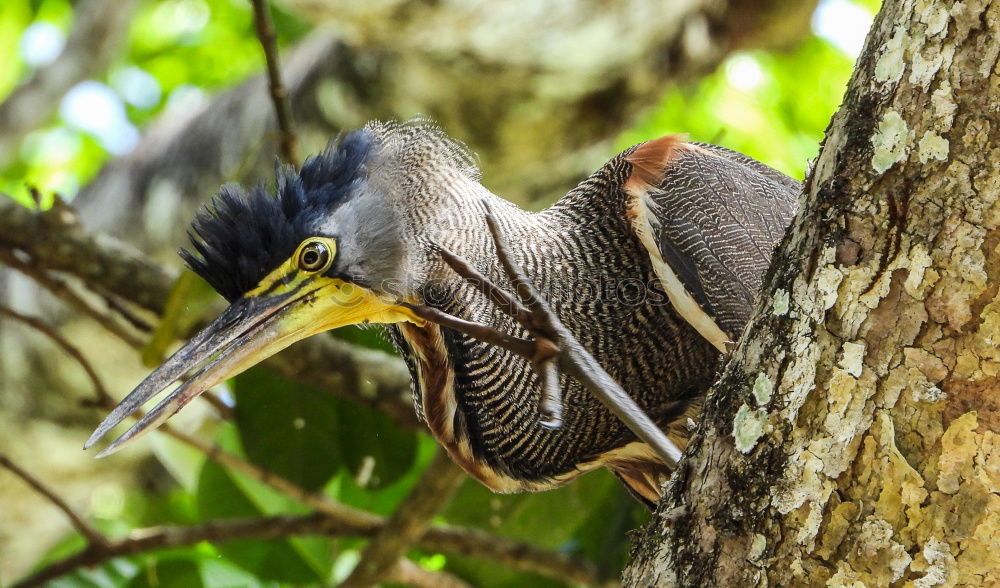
point(653, 263)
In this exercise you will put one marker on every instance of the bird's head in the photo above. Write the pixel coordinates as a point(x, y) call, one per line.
point(339, 243)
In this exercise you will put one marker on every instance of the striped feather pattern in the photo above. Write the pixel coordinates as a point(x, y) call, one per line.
point(585, 258)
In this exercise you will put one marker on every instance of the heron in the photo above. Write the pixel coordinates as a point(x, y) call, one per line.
point(653, 264)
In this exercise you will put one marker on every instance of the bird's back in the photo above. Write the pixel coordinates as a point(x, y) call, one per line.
point(585, 257)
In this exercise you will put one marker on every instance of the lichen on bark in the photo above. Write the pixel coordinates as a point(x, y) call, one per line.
point(878, 461)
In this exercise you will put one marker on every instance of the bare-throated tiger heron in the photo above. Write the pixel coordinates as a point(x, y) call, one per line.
point(653, 263)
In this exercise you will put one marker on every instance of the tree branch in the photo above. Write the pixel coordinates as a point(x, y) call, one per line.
point(62, 290)
point(392, 537)
point(279, 95)
point(97, 32)
point(55, 240)
point(99, 389)
point(94, 538)
point(408, 522)
point(444, 539)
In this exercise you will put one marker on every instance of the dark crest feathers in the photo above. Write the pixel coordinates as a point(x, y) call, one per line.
point(242, 235)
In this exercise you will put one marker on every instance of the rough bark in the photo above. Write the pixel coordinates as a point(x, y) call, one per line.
point(853, 437)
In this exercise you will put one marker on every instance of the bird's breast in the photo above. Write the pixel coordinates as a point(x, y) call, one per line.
point(434, 385)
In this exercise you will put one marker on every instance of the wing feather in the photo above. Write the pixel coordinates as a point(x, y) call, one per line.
point(711, 218)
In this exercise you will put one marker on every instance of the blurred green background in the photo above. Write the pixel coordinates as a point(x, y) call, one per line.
point(772, 105)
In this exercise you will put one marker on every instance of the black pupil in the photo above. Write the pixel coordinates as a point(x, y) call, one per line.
point(312, 257)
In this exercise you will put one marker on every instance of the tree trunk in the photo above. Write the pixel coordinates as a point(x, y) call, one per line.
point(853, 437)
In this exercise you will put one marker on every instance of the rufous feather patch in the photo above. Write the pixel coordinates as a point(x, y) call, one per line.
point(651, 159)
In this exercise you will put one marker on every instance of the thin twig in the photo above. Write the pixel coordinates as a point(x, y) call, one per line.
point(336, 519)
point(231, 461)
point(279, 95)
point(366, 376)
point(408, 522)
point(94, 538)
point(470, 542)
point(318, 502)
point(104, 400)
point(61, 289)
point(438, 539)
point(99, 389)
point(116, 304)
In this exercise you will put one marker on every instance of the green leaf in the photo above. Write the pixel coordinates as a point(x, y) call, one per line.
point(288, 428)
point(218, 573)
point(566, 519)
point(225, 494)
point(374, 449)
point(196, 567)
point(112, 574)
point(307, 435)
point(182, 461)
point(384, 499)
point(169, 573)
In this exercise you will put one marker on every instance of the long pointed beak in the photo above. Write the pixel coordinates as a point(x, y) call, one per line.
point(248, 332)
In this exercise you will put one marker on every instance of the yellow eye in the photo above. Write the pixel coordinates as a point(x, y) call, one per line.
point(315, 256)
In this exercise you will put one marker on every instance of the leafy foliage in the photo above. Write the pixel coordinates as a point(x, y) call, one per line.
point(758, 103)
point(307, 435)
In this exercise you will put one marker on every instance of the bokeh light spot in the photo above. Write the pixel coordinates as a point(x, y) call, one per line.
point(137, 87)
point(41, 43)
point(744, 73)
point(94, 108)
point(843, 23)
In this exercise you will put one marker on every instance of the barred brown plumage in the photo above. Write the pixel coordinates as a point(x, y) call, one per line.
point(653, 263)
point(583, 245)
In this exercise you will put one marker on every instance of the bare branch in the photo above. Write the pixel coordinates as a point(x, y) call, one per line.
point(279, 95)
point(407, 525)
point(95, 539)
point(116, 304)
point(97, 32)
point(62, 290)
point(411, 518)
point(436, 485)
point(99, 389)
point(56, 240)
point(460, 541)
